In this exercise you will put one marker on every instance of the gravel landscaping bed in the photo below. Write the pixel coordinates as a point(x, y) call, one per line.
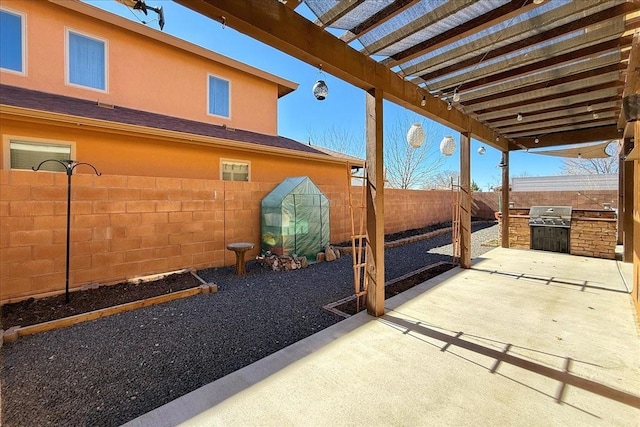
point(31, 312)
point(111, 370)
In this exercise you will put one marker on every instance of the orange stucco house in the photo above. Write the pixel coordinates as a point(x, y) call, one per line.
point(132, 100)
point(185, 139)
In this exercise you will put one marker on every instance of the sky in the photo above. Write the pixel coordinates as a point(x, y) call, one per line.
point(301, 116)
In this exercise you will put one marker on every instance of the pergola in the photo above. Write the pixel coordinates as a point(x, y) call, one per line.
point(513, 74)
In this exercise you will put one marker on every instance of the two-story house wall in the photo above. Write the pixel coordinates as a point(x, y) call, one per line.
point(177, 109)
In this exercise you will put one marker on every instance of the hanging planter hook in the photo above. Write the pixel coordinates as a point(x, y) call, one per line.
point(69, 166)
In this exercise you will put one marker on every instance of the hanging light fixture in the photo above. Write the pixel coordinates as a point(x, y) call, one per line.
point(447, 145)
point(519, 117)
point(415, 135)
point(456, 95)
point(320, 89)
point(482, 150)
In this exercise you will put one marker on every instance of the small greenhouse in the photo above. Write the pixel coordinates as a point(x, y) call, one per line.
point(295, 219)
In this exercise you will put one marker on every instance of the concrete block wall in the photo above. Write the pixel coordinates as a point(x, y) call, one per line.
point(121, 227)
point(575, 199)
point(129, 226)
point(409, 209)
point(484, 204)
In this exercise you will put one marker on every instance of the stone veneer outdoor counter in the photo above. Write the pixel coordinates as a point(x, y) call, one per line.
point(592, 233)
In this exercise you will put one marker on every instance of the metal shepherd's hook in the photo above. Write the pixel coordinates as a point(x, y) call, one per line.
point(69, 166)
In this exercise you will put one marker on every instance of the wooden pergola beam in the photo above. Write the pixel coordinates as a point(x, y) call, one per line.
point(440, 11)
point(601, 133)
point(545, 64)
point(586, 21)
point(551, 96)
point(500, 14)
point(282, 28)
point(377, 19)
point(337, 12)
point(632, 82)
point(585, 75)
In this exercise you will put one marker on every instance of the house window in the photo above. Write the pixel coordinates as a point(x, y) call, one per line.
point(12, 36)
point(28, 154)
point(234, 171)
point(218, 96)
point(86, 61)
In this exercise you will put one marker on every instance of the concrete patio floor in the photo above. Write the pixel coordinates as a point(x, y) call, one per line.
point(522, 338)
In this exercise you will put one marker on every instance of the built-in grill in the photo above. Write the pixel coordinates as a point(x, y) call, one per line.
point(550, 226)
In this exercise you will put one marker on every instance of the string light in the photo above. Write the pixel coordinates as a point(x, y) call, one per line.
point(519, 117)
point(424, 101)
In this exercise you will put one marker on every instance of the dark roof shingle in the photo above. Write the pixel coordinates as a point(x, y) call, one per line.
point(42, 101)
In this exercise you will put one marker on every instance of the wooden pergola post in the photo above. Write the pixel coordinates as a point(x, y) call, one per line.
point(621, 198)
point(628, 189)
point(634, 213)
point(504, 208)
point(465, 200)
point(375, 203)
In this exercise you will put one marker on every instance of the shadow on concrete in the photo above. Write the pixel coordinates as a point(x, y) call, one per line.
point(583, 285)
point(564, 377)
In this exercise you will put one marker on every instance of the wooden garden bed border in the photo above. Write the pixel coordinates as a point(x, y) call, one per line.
point(13, 333)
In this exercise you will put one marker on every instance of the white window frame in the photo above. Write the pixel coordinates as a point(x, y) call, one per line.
point(235, 162)
point(209, 75)
point(67, 58)
point(23, 38)
point(8, 139)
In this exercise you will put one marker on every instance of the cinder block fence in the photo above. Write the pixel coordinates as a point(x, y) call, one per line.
point(129, 226)
point(124, 227)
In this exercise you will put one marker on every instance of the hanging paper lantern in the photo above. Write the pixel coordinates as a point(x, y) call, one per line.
point(320, 90)
point(482, 150)
point(448, 145)
point(415, 135)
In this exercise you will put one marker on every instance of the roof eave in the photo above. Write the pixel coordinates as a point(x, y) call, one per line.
point(68, 120)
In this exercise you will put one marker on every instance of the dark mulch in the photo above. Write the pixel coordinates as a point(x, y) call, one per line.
point(415, 232)
point(392, 237)
point(395, 288)
point(111, 370)
point(32, 311)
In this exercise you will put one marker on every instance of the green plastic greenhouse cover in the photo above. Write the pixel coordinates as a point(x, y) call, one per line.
point(295, 219)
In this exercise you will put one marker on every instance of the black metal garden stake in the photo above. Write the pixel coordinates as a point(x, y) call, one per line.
point(69, 166)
